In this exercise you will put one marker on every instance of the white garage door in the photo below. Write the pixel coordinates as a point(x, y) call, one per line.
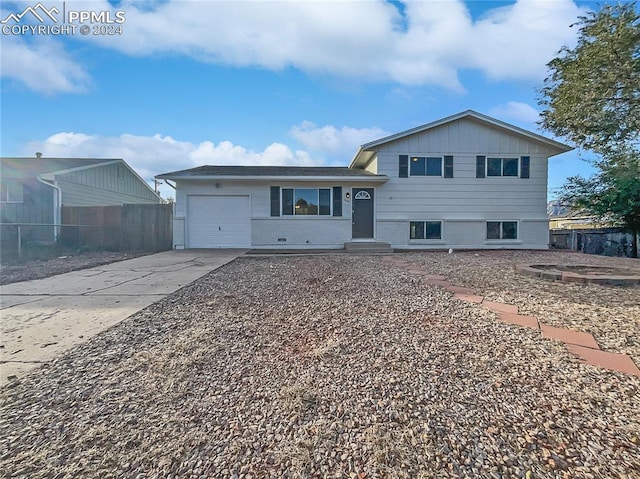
point(218, 222)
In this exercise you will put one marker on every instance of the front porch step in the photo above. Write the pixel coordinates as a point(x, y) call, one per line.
point(368, 247)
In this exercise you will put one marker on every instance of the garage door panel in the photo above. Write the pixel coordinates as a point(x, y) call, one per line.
point(218, 221)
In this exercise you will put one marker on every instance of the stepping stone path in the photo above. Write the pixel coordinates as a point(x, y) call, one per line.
point(581, 344)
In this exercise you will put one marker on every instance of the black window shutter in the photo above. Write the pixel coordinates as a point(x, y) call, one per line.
point(480, 166)
point(448, 166)
point(337, 201)
point(275, 201)
point(287, 201)
point(403, 166)
point(525, 164)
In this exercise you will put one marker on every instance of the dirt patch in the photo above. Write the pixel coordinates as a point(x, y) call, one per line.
point(38, 269)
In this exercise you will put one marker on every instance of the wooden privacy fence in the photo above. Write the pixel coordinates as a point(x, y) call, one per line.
point(135, 227)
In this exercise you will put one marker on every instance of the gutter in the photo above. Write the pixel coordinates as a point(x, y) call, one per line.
point(57, 206)
point(252, 178)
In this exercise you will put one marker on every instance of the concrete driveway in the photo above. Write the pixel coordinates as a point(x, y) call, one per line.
point(42, 318)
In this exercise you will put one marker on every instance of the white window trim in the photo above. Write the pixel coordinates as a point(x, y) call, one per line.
point(426, 240)
point(441, 175)
point(502, 158)
point(515, 240)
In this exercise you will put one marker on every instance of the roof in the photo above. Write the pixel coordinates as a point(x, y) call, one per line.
point(34, 167)
point(308, 173)
point(366, 151)
point(49, 168)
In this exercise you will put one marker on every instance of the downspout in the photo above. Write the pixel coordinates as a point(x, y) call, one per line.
point(57, 206)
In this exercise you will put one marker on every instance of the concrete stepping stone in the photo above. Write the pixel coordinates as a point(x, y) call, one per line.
point(471, 298)
point(460, 289)
point(518, 319)
point(613, 361)
point(500, 307)
point(579, 338)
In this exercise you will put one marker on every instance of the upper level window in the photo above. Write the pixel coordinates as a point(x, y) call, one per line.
point(513, 167)
point(11, 192)
point(502, 166)
point(425, 166)
point(306, 201)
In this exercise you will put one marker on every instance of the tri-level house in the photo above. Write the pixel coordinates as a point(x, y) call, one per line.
point(465, 181)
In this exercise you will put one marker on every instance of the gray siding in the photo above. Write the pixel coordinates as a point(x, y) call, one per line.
point(103, 186)
point(36, 206)
point(299, 232)
point(463, 203)
point(464, 195)
point(467, 136)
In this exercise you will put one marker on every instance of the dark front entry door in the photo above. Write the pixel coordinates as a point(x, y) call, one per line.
point(362, 213)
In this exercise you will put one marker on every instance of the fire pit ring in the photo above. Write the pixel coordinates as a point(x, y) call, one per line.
point(583, 273)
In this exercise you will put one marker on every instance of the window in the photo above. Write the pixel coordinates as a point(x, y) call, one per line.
point(11, 192)
point(502, 230)
point(306, 201)
point(425, 230)
point(425, 166)
point(502, 166)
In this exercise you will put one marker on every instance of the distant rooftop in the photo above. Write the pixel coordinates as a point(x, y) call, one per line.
point(33, 167)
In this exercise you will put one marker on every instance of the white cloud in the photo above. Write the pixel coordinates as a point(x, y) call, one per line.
point(429, 43)
point(516, 111)
point(360, 40)
point(329, 139)
point(517, 41)
point(152, 155)
point(43, 66)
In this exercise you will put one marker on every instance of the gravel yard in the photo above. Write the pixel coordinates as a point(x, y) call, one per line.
point(339, 366)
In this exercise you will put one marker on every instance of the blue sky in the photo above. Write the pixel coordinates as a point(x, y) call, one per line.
point(186, 83)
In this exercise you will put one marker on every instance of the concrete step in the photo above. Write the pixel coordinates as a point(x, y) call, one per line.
point(368, 247)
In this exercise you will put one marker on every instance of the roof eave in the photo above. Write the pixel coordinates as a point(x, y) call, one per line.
point(361, 158)
point(345, 179)
point(50, 175)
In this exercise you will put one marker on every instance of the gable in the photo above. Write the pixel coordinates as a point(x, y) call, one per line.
point(467, 135)
point(468, 132)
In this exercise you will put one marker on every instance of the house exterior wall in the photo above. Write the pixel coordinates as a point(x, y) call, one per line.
point(35, 208)
point(36, 205)
point(463, 203)
point(267, 231)
point(112, 184)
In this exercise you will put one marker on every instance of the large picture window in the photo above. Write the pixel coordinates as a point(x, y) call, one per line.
point(425, 230)
point(425, 166)
point(502, 230)
point(306, 201)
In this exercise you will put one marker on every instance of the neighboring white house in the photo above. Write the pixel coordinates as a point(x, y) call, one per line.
point(466, 181)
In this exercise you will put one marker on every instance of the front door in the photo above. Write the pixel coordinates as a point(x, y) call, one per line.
point(362, 213)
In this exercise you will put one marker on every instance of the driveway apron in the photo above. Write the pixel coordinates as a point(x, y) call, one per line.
point(42, 318)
